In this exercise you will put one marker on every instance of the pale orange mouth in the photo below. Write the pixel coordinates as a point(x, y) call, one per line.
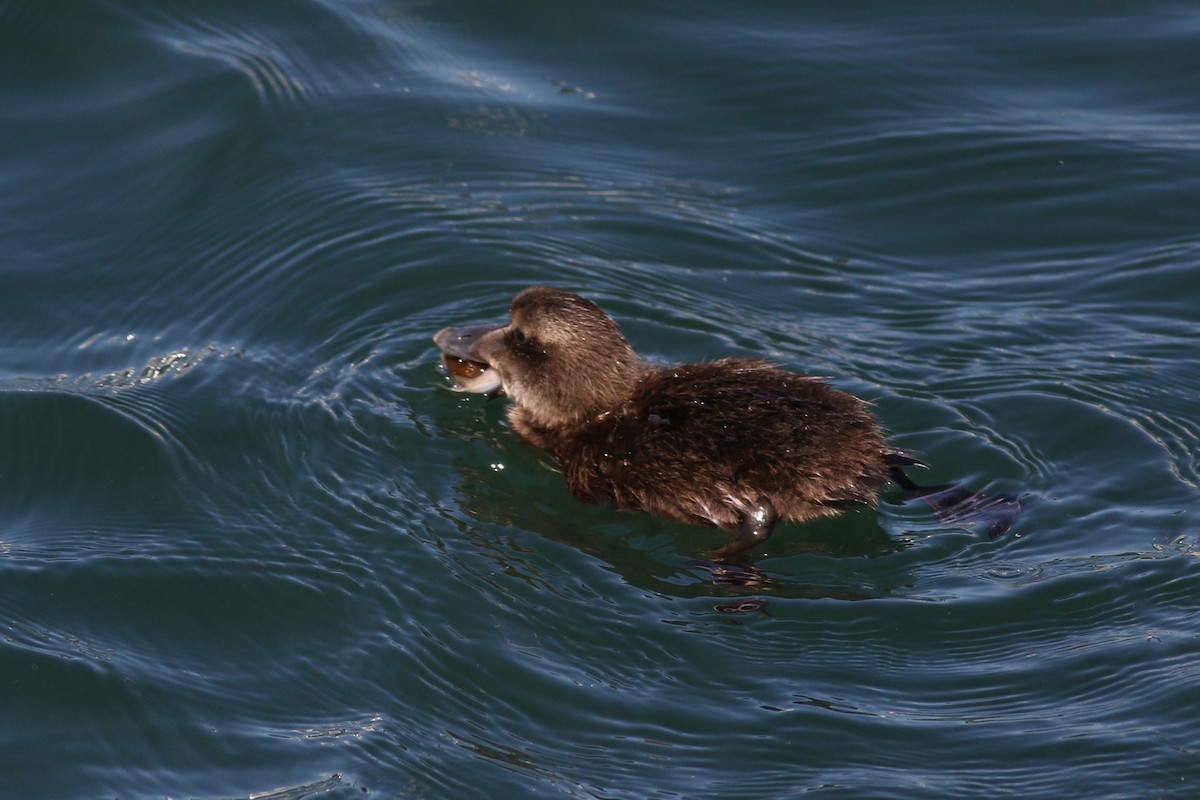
point(469, 374)
point(461, 368)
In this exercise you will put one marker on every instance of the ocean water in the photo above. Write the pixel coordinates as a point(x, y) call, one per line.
point(251, 546)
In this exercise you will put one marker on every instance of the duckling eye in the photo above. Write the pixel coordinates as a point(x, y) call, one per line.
point(518, 336)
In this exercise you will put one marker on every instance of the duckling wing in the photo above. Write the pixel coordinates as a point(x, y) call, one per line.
point(703, 442)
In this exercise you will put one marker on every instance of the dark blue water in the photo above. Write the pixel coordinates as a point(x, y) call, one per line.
point(252, 546)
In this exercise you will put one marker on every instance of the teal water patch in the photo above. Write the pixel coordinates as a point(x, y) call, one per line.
point(252, 545)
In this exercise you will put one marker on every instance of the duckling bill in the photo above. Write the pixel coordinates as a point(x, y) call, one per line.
point(736, 443)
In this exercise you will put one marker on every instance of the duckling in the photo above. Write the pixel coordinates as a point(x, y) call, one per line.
point(735, 443)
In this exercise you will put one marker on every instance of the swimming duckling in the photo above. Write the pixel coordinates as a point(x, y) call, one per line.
point(736, 443)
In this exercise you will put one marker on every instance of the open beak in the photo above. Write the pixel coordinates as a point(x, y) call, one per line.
point(464, 362)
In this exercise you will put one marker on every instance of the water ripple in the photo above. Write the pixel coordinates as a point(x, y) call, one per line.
point(250, 540)
point(268, 58)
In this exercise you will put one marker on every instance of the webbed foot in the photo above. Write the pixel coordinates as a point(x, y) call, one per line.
point(757, 521)
point(957, 505)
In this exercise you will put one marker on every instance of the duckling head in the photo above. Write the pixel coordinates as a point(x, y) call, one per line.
point(560, 358)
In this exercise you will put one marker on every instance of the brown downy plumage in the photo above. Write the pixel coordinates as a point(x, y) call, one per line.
point(734, 443)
